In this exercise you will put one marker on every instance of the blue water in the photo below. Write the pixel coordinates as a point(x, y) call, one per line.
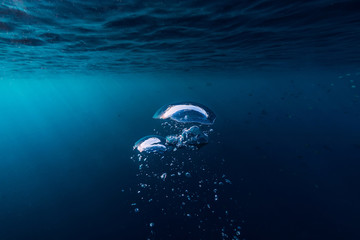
point(132, 36)
point(81, 80)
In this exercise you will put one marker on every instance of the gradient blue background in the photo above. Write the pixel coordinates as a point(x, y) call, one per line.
point(80, 81)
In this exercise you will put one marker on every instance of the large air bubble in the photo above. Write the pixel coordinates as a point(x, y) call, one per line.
point(152, 143)
point(186, 112)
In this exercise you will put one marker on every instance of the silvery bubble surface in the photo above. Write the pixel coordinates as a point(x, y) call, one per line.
point(152, 143)
point(186, 112)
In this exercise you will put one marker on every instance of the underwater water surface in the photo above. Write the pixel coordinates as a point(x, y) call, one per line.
point(179, 120)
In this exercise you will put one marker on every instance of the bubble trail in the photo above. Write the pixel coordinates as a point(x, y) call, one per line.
point(178, 184)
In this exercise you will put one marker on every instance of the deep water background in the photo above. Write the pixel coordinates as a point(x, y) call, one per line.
point(290, 141)
point(81, 80)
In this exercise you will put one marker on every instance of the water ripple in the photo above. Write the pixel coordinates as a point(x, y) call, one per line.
point(154, 35)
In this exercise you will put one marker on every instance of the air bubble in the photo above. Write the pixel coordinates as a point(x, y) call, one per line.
point(163, 176)
point(186, 112)
point(152, 143)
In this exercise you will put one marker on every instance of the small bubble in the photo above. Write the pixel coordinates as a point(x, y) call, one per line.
point(228, 181)
point(163, 176)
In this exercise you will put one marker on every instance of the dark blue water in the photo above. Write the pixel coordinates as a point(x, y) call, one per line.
point(81, 80)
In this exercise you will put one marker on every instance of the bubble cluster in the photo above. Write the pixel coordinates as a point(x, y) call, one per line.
point(192, 136)
point(178, 191)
